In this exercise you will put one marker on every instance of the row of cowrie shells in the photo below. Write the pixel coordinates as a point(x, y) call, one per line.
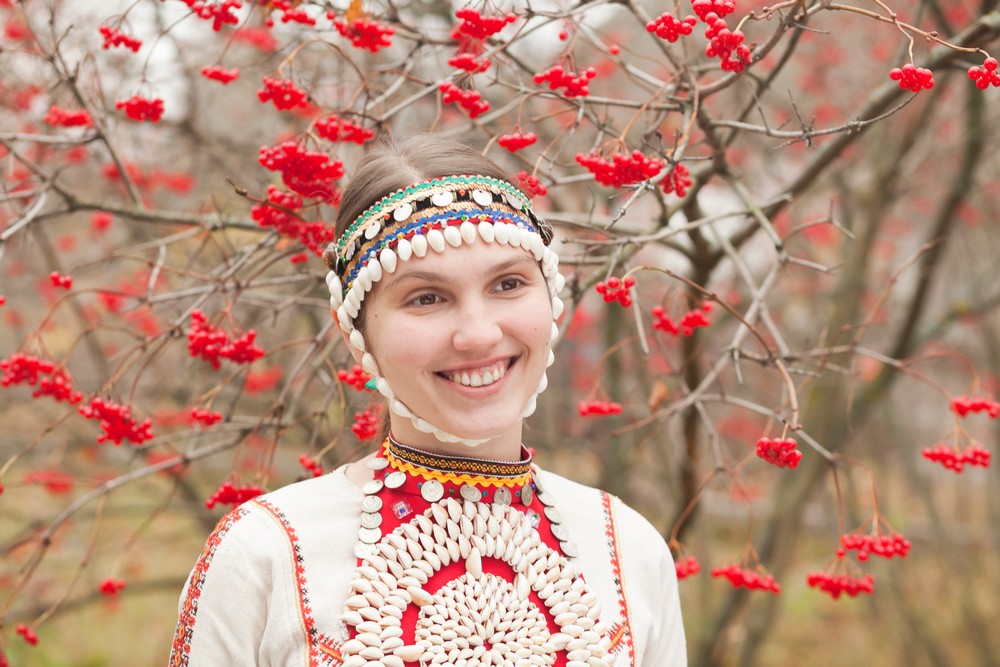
point(452, 530)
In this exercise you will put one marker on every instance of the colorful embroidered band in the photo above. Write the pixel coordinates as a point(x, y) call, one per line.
point(459, 465)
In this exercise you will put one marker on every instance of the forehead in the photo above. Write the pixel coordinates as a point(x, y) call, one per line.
point(466, 262)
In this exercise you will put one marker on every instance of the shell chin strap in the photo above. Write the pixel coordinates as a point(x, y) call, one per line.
point(347, 303)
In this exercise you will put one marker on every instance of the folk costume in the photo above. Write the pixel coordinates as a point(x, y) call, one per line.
point(437, 560)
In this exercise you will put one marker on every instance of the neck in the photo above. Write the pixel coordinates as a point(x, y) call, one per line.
point(504, 447)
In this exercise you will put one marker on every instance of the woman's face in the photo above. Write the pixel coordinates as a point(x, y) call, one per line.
point(463, 338)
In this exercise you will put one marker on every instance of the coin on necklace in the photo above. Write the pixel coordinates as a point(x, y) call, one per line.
point(363, 550)
point(471, 493)
point(569, 548)
point(432, 490)
point(559, 532)
point(553, 514)
point(502, 496)
point(371, 519)
point(396, 479)
point(369, 535)
point(371, 503)
point(372, 486)
point(377, 463)
point(526, 494)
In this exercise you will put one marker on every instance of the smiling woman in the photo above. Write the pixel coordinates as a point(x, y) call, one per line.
point(446, 546)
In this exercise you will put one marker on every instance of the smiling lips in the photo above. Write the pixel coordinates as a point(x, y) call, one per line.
point(478, 377)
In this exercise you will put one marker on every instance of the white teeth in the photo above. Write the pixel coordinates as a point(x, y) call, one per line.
point(481, 377)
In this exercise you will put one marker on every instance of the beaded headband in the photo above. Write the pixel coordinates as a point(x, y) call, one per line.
point(434, 215)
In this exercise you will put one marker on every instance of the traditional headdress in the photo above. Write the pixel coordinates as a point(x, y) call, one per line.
point(434, 215)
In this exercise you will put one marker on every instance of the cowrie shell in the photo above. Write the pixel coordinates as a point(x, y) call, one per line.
point(468, 231)
point(501, 231)
point(419, 243)
point(435, 239)
point(442, 198)
point(453, 236)
point(402, 212)
point(486, 231)
point(374, 271)
point(404, 250)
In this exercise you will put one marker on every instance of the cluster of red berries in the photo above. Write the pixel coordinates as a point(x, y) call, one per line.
point(59, 280)
point(886, 546)
point(227, 494)
point(986, 74)
point(690, 321)
point(51, 381)
point(211, 343)
point(115, 37)
point(623, 168)
point(955, 460)
point(470, 100)
point(598, 408)
point(278, 213)
point(721, 8)
point(616, 290)
point(111, 587)
point(740, 577)
point(469, 62)
point(531, 185)
point(677, 181)
point(963, 405)
point(365, 425)
point(356, 377)
point(309, 173)
point(28, 634)
point(297, 15)
point(55, 482)
point(117, 422)
point(515, 141)
point(283, 93)
point(205, 417)
point(726, 45)
point(780, 453)
point(912, 78)
point(259, 38)
point(65, 118)
point(219, 13)
point(836, 584)
point(365, 34)
point(340, 129)
point(687, 567)
point(573, 84)
point(668, 27)
point(477, 26)
point(142, 108)
point(219, 73)
point(310, 465)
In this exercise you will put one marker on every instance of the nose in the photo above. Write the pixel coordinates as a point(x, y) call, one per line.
point(478, 326)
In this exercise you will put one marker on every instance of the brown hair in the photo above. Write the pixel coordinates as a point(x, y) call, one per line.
point(390, 165)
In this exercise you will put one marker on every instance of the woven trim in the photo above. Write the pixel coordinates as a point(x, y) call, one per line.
point(621, 634)
point(453, 477)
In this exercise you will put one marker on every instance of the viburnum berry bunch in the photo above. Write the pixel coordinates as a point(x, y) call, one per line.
point(336, 129)
point(115, 37)
point(283, 93)
point(308, 173)
point(687, 567)
point(365, 425)
point(468, 62)
point(614, 289)
point(205, 417)
point(678, 180)
point(365, 33)
point(691, 320)
point(470, 100)
point(117, 422)
point(56, 482)
point(279, 212)
point(141, 108)
point(598, 408)
point(59, 280)
point(721, 8)
point(220, 74)
point(310, 465)
point(955, 460)
point(27, 633)
point(228, 494)
point(747, 578)
point(297, 15)
point(963, 405)
point(571, 83)
point(212, 344)
point(356, 377)
point(59, 117)
point(865, 544)
point(912, 78)
point(669, 27)
point(515, 141)
point(835, 585)
point(478, 26)
point(622, 169)
point(531, 185)
point(111, 587)
point(219, 13)
point(986, 74)
point(726, 45)
point(781, 453)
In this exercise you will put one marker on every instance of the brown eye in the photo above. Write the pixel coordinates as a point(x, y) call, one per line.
point(508, 284)
point(425, 300)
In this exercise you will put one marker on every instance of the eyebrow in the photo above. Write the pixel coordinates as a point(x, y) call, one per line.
point(431, 276)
